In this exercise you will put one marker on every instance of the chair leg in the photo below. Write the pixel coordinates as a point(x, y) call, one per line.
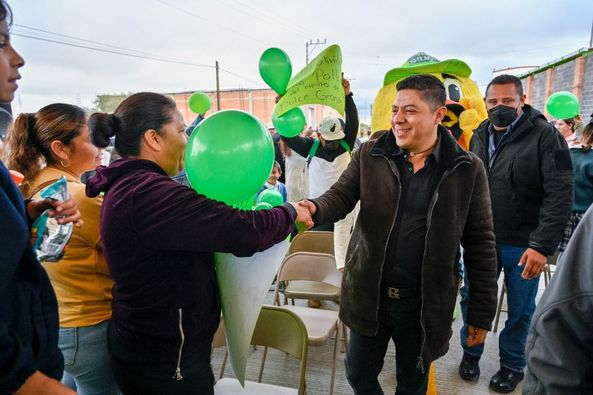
point(345, 338)
point(499, 307)
point(263, 361)
point(333, 379)
point(226, 356)
point(547, 274)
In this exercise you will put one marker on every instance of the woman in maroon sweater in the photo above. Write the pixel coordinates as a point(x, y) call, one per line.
point(158, 239)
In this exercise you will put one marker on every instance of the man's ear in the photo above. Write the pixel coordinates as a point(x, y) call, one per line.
point(152, 140)
point(440, 114)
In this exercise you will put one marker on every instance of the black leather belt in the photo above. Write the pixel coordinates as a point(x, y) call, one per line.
point(401, 293)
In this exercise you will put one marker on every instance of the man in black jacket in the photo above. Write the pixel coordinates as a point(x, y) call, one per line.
point(421, 196)
point(530, 175)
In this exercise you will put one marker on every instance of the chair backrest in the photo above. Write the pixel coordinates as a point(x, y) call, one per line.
point(313, 241)
point(281, 329)
point(310, 266)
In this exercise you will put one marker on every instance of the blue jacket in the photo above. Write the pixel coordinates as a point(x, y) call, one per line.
point(28, 306)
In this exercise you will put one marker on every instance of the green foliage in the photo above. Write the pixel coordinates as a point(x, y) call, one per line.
point(108, 102)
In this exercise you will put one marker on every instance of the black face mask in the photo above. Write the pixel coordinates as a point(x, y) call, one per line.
point(502, 116)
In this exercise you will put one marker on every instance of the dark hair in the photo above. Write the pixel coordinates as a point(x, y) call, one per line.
point(504, 79)
point(30, 137)
point(130, 120)
point(431, 89)
point(587, 137)
point(277, 166)
point(571, 122)
point(5, 13)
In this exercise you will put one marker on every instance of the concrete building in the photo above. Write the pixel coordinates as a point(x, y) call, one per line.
point(258, 102)
point(573, 73)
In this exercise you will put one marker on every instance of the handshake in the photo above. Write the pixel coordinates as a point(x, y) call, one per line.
point(305, 211)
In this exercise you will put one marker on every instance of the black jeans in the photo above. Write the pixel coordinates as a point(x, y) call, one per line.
point(399, 320)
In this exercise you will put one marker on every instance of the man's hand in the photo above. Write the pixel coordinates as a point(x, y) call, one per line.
point(40, 384)
point(65, 211)
point(303, 220)
point(475, 335)
point(534, 263)
point(346, 85)
point(309, 205)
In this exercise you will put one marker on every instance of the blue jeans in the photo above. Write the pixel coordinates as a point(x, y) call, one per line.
point(87, 368)
point(521, 304)
point(399, 320)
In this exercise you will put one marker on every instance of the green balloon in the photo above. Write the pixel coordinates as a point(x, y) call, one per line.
point(229, 157)
point(563, 105)
point(270, 196)
point(291, 123)
point(199, 103)
point(246, 204)
point(263, 206)
point(275, 69)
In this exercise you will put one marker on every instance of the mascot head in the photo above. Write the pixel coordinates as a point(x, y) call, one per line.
point(465, 104)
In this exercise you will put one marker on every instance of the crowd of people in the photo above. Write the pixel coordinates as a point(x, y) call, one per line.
point(132, 305)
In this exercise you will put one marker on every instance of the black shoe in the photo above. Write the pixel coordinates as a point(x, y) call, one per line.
point(469, 368)
point(505, 380)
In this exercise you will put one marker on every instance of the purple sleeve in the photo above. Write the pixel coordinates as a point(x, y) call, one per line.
point(171, 216)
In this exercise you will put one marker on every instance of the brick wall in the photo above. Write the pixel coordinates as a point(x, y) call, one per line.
point(587, 99)
point(258, 102)
point(563, 80)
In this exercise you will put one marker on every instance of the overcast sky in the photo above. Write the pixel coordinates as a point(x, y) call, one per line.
point(375, 36)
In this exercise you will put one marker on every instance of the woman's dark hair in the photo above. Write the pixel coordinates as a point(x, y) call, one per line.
point(5, 13)
point(130, 120)
point(587, 137)
point(571, 122)
point(29, 139)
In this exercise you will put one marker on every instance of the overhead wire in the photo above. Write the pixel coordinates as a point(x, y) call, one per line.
point(185, 11)
point(117, 50)
point(257, 15)
point(271, 14)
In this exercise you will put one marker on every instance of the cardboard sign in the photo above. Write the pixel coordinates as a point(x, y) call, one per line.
point(320, 82)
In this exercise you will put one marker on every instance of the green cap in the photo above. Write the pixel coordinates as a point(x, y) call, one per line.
point(421, 63)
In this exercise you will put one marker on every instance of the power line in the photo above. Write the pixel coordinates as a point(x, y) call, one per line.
point(112, 51)
point(257, 15)
point(81, 39)
point(209, 21)
point(119, 52)
point(275, 16)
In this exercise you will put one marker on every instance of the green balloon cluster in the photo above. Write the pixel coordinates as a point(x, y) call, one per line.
point(271, 196)
point(275, 69)
point(291, 123)
point(563, 105)
point(199, 103)
point(229, 157)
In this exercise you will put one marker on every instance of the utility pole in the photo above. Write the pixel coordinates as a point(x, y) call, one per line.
point(217, 88)
point(591, 39)
point(312, 44)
